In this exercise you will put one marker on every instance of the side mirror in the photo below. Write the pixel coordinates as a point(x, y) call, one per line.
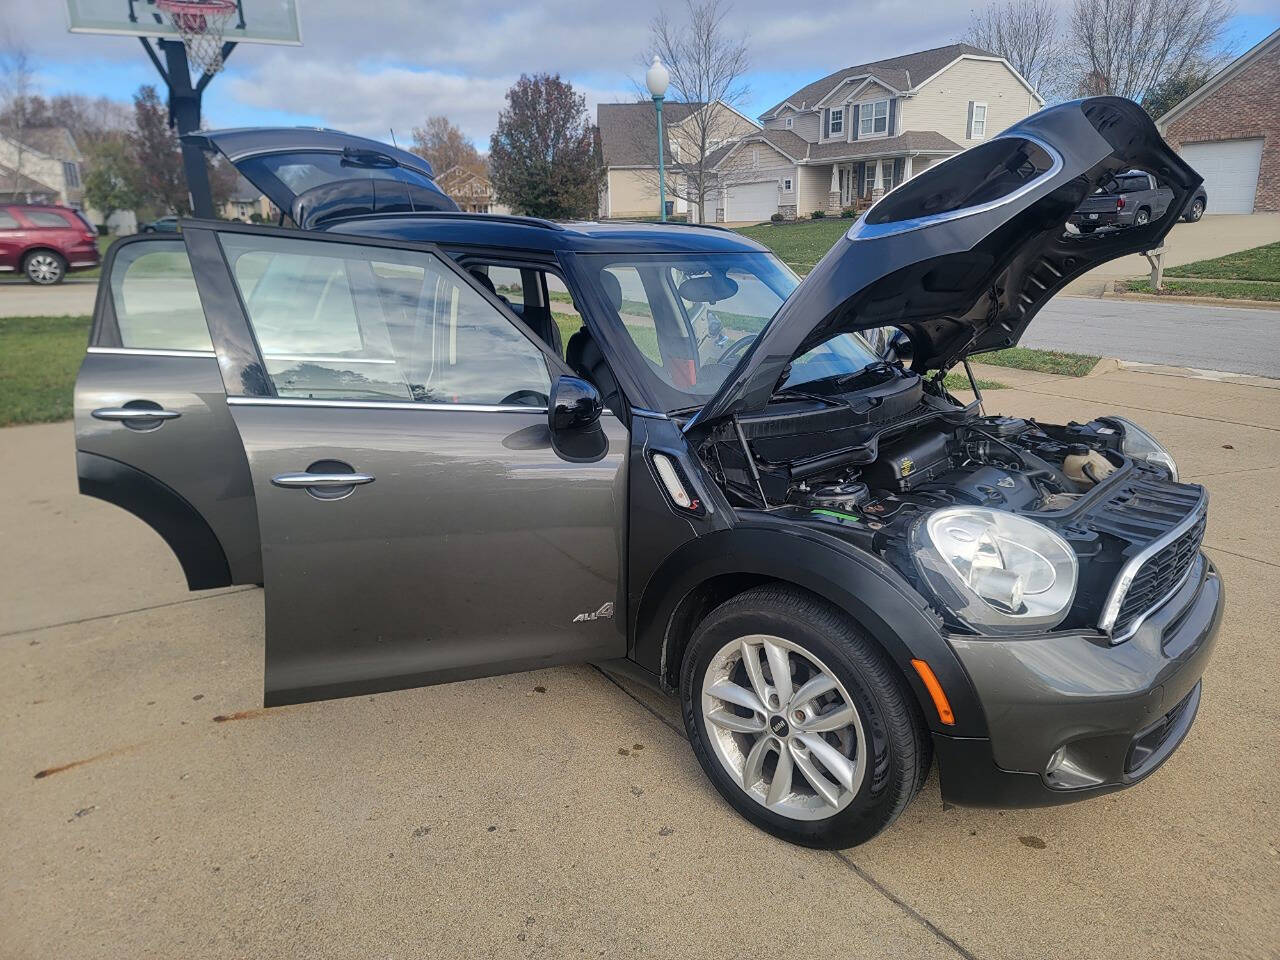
point(575, 405)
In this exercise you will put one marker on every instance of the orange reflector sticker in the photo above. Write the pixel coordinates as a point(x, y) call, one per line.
point(935, 690)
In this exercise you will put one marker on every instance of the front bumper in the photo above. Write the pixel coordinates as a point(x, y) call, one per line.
point(1119, 711)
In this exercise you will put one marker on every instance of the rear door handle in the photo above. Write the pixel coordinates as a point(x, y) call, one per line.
point(304, 480)
point(135, 413)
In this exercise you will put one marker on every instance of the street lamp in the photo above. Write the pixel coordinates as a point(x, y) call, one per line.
point(657, 80)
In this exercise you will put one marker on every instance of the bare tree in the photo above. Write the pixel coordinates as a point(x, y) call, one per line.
point(707, 64)
point(1024, 32)
point(1129, 48)
point(445, 146)
point(17, 79)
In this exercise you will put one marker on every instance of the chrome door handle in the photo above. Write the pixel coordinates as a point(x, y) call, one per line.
point(305, 480)
point(134, 413)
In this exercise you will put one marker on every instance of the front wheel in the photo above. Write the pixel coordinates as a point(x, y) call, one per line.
point(1195, 211)
point(800, 719)
point(44, 267)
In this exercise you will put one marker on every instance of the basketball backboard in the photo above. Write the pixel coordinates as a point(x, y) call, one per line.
point(255, 21)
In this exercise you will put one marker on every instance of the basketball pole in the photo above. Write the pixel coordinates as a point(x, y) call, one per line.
point(184, 114)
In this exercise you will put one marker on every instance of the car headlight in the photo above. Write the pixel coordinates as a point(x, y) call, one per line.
point(1137, 444)
point(996, 571)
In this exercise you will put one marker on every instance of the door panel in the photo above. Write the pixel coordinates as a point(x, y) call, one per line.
point(464, 544)
point(150, 350)
point(470, 553)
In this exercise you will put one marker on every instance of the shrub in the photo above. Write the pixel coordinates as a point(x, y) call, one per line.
point(777, 218)
point(819, 214)
point(848, 213)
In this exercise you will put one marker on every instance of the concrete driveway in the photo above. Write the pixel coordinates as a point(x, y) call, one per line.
point(149, 808)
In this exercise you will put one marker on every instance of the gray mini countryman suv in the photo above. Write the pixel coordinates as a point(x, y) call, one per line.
point(452, 445)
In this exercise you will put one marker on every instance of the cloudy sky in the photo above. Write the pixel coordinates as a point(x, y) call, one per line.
point(370, 66)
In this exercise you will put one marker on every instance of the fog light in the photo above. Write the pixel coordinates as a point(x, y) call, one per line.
point(1056, 760)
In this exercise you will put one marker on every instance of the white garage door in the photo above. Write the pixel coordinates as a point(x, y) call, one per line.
point(1230, 171)
point(751, 201)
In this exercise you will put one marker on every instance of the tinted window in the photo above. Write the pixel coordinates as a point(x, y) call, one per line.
point(982, 174)
point(7, 222)
point(45, 218)
point(301, 172)
point(347, 322)
point(157, 306)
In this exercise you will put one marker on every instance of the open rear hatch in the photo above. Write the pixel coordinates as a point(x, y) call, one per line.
point(964, 255)
point(318, 175)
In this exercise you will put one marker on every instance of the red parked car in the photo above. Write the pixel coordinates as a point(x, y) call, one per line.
point(46, 241)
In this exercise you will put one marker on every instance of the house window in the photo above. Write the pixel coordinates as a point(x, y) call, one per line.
point(71, 174)
point(977, 120)
point(869, 178)
point(786, 184)
point(873, 118)
point(790, 121)
point(837, 121)
point(755, 156)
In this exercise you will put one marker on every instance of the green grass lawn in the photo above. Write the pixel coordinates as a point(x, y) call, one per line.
point(39, 357)
point(800, 244)
point(1226, 289)
point(1041, 361)
point(1260, 263)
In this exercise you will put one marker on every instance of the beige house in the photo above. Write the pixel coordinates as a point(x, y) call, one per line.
point(40, 165)
point(247, 200)
point(629, 145)
point(471, 190)
point(844, 140)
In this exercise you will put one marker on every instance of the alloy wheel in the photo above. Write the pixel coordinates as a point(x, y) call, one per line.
point(784, 727)
point(1142, 218)
point(44, 268)
point(1197, 210)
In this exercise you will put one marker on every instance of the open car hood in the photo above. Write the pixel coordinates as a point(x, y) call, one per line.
point(962, 256)
point(317, 175)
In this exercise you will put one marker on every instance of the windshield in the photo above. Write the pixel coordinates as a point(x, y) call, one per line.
point(689, 319)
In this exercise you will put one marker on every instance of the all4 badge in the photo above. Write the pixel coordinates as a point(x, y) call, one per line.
point(604, 613)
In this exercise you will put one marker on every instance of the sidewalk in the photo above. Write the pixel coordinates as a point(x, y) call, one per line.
point(561, 812)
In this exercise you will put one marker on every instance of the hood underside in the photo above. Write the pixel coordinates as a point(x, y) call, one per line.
point(964, 255)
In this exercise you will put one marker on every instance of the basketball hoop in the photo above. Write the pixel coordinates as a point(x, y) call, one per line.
point(201, 24)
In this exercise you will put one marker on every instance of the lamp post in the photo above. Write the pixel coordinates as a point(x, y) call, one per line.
point(657, 79)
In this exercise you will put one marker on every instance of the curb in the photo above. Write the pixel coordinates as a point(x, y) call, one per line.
point(1110, 294)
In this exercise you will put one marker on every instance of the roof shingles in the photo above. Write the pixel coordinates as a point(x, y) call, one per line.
point(629, 131)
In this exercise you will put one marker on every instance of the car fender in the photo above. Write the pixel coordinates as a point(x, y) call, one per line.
point(859, 583)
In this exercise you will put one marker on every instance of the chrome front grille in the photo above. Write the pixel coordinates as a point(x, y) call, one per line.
point(1176, 514)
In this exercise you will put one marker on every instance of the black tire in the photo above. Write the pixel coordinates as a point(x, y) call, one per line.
point(148, 230)
point(1142, 217)
point(1195, 211)
point(45, 267)
point(901, 750)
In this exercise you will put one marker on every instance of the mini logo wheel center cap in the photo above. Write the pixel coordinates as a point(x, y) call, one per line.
point(778, 727)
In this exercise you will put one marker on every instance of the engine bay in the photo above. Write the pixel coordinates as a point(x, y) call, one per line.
point(870, 455)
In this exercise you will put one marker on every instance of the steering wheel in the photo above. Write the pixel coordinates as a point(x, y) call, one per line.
point(735, 350)
point(524, 398)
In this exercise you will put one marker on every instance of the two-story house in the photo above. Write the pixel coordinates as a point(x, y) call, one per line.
point(844, 140)
point(471, 190)
point(629, 147)
point(40, 165)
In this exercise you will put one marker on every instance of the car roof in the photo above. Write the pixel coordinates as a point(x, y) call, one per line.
point(532, 233)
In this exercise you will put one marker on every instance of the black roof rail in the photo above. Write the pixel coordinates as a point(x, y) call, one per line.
point(464, 215)
point(672, 223)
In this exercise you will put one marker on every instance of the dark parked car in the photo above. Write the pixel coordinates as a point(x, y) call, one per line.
point(1132, 198)
point(45, 241)
point(160, 225)
point(454, 445)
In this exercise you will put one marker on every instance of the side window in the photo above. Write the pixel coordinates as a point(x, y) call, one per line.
point(7, 221)
point(508, 284)
point(46, 218)
point(348, 322)
point(157, 306)
point(631, 300)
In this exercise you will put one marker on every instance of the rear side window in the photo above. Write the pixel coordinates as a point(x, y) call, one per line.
point(154, 294)
point(46, 218)
point(7, 221)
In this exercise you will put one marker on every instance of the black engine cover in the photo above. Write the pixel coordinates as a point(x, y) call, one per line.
point(987, 486)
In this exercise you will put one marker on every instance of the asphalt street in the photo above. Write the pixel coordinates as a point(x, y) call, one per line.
point(1173, 334)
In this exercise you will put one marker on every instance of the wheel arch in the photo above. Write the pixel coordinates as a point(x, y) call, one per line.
point(706, 572)
point(42, 248)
